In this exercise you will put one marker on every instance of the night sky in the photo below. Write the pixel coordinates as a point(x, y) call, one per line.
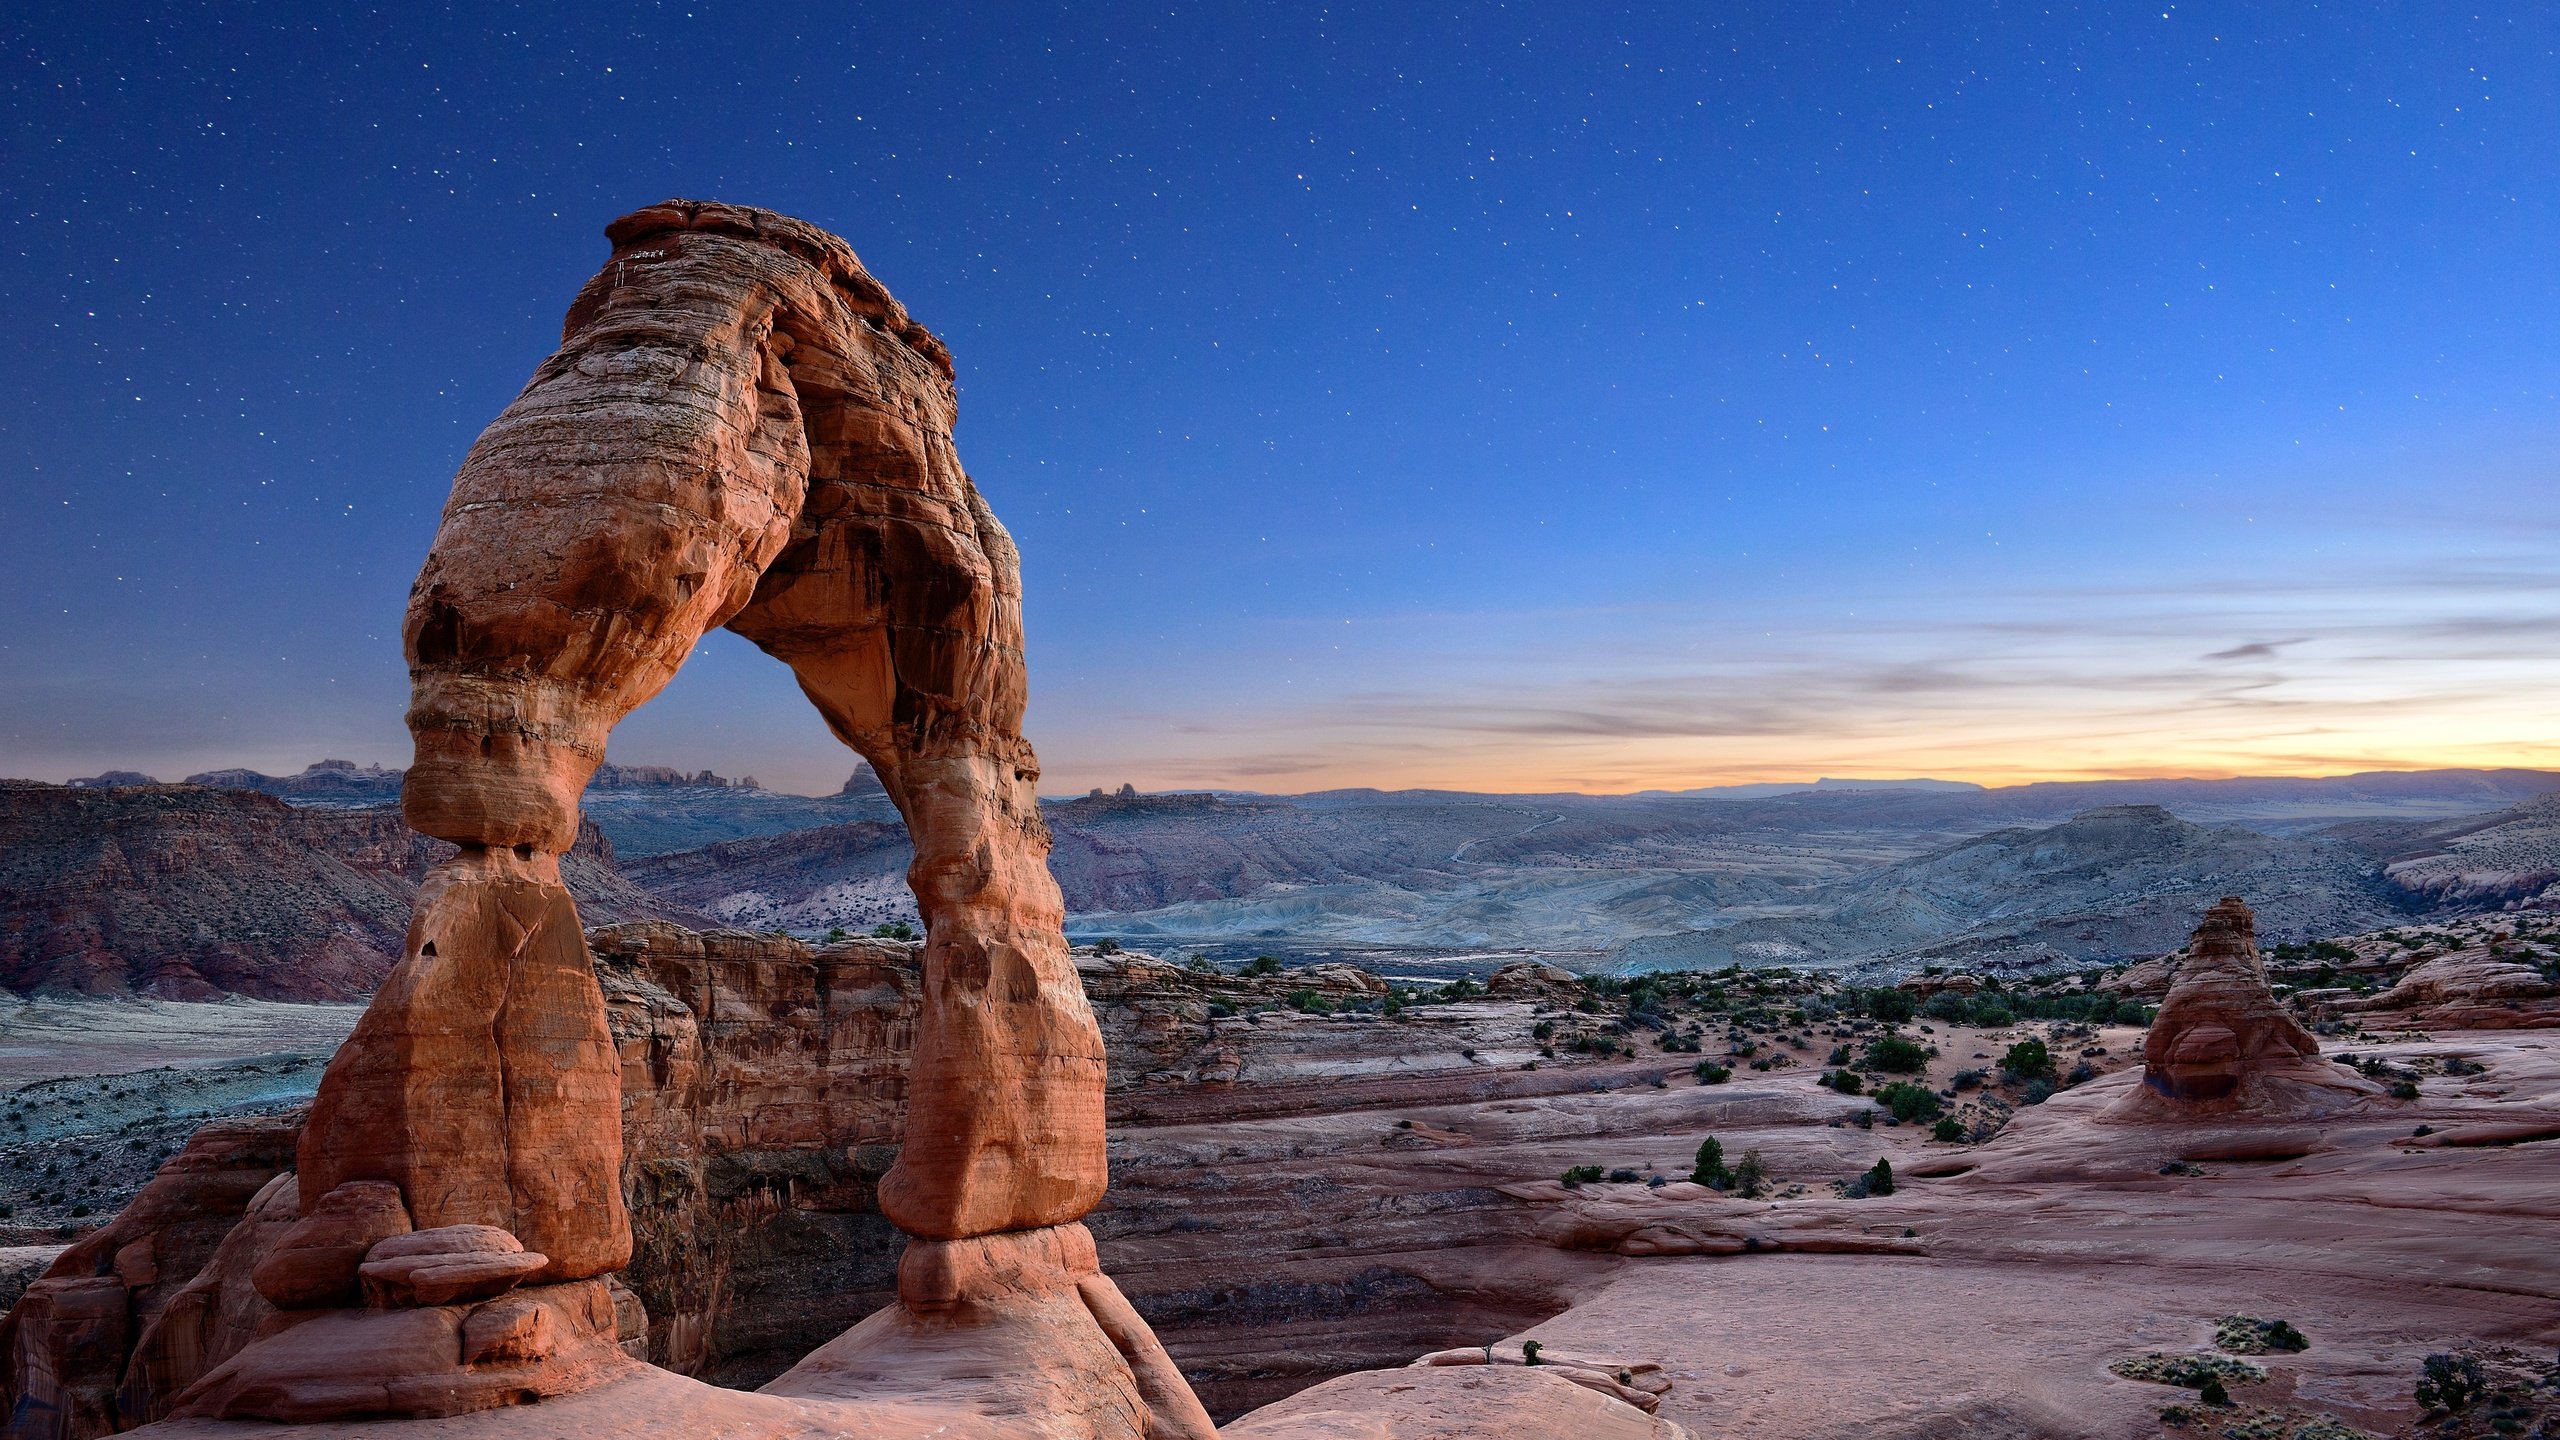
point(1502, 396)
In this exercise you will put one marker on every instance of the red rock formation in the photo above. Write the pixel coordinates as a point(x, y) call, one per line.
point(182, 892)
point(741, 427)
point(63, 1350)
point(2223, 1045)
point(2473, 988)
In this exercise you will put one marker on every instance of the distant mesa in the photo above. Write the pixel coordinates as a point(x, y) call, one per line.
point(1126, 791)
point(664, 777)
point(863, 783)
point(330, 782)
point(113, 780)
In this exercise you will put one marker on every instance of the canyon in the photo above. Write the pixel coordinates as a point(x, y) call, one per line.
point(1856, 1122)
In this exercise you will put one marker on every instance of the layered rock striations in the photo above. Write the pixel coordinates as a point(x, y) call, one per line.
point(2222, 1044)
point(184, 892)
point(741, 428)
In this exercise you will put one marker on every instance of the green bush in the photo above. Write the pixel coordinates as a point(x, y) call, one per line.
point(1909, 1102)
point(1880, 1179)
point(1949, 1129)
point(1844, 1081)
point(1581, 1175)
point(2450, 1382)
point(1262, 965)
point(1711, 1073)
point(1897, 1055)
point(2028, 1060)
point(1710, 1170)
point(1307, 1002)
point(893, 930)
point(1890, 1005)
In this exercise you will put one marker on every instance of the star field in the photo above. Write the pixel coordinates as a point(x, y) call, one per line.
point(1502, 396)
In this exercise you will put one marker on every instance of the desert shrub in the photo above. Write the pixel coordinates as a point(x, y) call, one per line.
point(1544, 1030)
point(1624, 1176)
point(2213, 1393)
point(1947, 1005)
point(1711, 1073)
point(1262, 965)
point(1106, 946)
point(1750, 1176)
point(2036, 1093)
point(1710, 1170)
point(1581, 1175)
point(2081, 1074)
point(2189, 1371)
point(1220, 1009)
point(1991, 1014)
point(1201, 965)
point(1948, 1129)
point(1896, 1055)
point(1308, 1002)
point(1880, 1178)
point(1889, 1004)
point(2249, 1335)
point(1967, 1080)
point(1529, 1352)
point(2028, 1060)
point(1908, 1102)
point(893, 930)
point(1839, 1055)
point(1844, 1081)
point(2450, 1382)
point(2404, 1089)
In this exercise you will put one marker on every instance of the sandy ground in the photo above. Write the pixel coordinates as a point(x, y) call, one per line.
point(96, 1094)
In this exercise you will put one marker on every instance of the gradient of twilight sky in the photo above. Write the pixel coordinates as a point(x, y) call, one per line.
point(1526, 396)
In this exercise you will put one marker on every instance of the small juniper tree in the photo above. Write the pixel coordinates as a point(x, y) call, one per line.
point(1710, 1170)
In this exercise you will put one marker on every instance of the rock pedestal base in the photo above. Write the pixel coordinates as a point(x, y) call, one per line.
point(1020, 1329)
point(434, 1361)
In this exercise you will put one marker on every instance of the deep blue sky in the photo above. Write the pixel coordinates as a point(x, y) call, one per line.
point(1509, 396)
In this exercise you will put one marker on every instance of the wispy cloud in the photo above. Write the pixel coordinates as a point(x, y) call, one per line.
point(2441, 666)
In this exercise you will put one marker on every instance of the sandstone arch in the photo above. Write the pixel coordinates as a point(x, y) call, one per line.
point(741, 428)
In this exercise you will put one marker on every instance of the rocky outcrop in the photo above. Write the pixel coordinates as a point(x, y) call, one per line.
point(64, 1349)
point(325, 782)
point(764, 1091)
point(2478, 987)
point(741, 427)
point(2222, 1045)
point(182, 892)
